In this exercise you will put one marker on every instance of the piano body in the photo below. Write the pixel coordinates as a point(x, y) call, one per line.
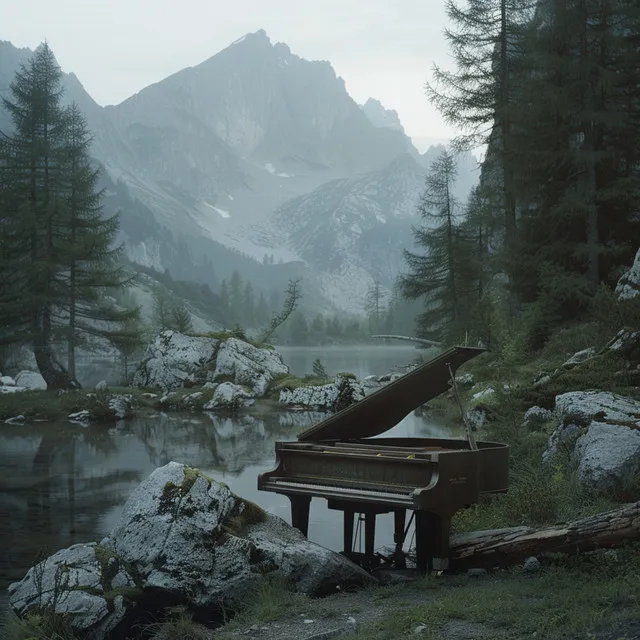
point(340, 460)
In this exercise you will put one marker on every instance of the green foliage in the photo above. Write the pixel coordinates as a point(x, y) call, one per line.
point(58, 259)
point(37, 626)
point(272, 599)
point(318, 369)
point(292, 299)
point(181, 319)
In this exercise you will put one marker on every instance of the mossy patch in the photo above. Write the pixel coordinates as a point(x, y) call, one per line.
point(289, 382)
point(245, 514)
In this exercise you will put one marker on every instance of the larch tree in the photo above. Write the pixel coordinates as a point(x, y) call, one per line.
point(434, 275)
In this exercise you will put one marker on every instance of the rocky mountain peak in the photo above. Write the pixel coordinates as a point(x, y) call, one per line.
point(381, 117)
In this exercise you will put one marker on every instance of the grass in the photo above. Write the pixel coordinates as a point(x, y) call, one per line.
point(271, 600)
point(47, 405)
point(290, 382)
point(571, 598)
point(45, 626)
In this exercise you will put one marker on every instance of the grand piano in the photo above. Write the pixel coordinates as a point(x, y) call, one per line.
point(341, 461)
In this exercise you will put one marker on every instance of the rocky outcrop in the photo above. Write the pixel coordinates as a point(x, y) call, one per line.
point(335, 396)
point(606, 430)
point(229, 397)
point(248, 365)
point(174, 360)
point(85, 583)
point(629, 284)
point(182, 538)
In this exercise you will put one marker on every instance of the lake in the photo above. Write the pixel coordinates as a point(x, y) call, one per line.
point(61, 483)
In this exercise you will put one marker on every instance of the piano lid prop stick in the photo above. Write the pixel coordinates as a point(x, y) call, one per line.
point(467, 427)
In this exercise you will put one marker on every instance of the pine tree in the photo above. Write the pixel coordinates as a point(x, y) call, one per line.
point(248, 306)
point(477, 96)
point(161, 311)
point(580, 170)
point(235, 298)
point(435, 275)
point(31, 180)
point(87, 246)
point(225, 307)
point(374, 306)
point(181, 319)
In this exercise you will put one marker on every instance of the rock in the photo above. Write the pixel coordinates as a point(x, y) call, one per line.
point(248, 365)
point(102, 386)
point(75, 583)
point(476, 572)
point(7, 381)
point(542, 381)
point(629, 284)
point(608, 455)
point(531, 564)
point(581, 407)
point(210, 385)
point(330, 397)
point(31, 380)
point(15, 420)
point(80, 417)
point(482, 395)
point(625, 342)
point(562, 433)
point(535, 416)
point(419, 629)
point(579, 357)
point(173, 360)
point(465, 379)
point(186, 534)
point(12, 389)
point(190, 400)
point(476, 418)
point(121, 406)
point(229, 397)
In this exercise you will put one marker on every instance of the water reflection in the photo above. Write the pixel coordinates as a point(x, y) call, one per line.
point(61, 484)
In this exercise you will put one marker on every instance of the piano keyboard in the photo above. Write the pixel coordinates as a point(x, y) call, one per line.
point(403, 497)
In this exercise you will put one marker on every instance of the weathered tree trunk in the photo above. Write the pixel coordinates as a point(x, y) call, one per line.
point(53, 373)
point(502, 547)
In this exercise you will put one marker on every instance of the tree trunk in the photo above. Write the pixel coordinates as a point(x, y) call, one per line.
point(502, 547)
point(53, 373)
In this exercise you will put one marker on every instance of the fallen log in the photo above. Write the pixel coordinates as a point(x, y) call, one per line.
point(503, 547)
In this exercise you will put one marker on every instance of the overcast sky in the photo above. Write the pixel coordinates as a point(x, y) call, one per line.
point(382, 48)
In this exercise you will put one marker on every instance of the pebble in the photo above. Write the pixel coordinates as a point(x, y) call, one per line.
point(419, 629)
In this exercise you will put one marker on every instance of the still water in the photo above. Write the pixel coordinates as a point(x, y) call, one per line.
point(61, 483)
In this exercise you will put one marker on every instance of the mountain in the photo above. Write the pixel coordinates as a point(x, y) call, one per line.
point(255, 151)
point(381, 117)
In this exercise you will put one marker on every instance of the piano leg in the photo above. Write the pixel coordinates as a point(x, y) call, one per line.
point(348, 532)
point(432, 541)
point(300, 513)
point(399, 522)
point(369, 534)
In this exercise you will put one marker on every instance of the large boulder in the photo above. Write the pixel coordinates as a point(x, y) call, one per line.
point(85, 583)
point(341, 393)
point(608, 456)
point(189, 535)
point(248, 365)
point(629, 284)
point(605, 429)
point(31, 380)
point(174, 360)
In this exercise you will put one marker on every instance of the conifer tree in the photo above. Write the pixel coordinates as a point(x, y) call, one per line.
point(435, 275)
point(56, 249)
point(87, 246)
point(248, 305)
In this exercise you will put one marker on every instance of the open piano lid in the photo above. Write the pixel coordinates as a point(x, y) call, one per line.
point(386, 407)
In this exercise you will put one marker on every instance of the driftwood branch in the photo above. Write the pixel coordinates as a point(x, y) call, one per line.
point(429, 343)
point(502, 547)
